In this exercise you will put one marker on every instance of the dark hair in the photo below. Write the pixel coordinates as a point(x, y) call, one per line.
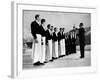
point(48, 26)
point(42, 21)
point(81, 24)
point(55, 28)
point(51, 26)
point(73, 26)
point(37, 15)
point(63, 29)
point(60, 28)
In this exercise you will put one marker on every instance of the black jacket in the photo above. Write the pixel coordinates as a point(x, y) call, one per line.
point(35, 29)
point(42, 31)
point(82, 36)
point(59, 36)
point(48, 36)
point(63, 36)
point(55, 37)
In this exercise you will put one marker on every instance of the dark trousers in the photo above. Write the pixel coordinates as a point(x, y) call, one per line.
point(74, 48)
point(82, 51)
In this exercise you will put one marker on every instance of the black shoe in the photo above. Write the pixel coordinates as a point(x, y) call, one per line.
point(56, 58)
point(51, 60)
point(45, 62)
point(37, 63)
point(41, 63)
point(81, 57)
point(60, 56)
point(64, 55)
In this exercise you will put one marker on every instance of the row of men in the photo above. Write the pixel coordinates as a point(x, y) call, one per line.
point(50, 44)
point(70, 42)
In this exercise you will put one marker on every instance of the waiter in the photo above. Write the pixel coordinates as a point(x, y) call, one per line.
point(43, 46)
point(66, 43)
point(81, 39)
point(74, 40)
point(48, 44)
point(69, 43)
point(51, 33)
point(55, 39)
point(72, 43)
point(36, 33)
point(63, 41)
point(61, 44)
point(59, 41)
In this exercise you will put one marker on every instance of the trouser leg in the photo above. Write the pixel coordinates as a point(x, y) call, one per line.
point(33, 45)
point(75, 48)
point(61, 47)
point(37, 53)
point(50, 49)
point(43, 53)
point(64, 46)
point(56, 49)
point(82, 51)
point(59, 50)
point(47, 53)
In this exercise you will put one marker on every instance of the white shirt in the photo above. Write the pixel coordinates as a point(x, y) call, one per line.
point(56, 33)
point(38, 22)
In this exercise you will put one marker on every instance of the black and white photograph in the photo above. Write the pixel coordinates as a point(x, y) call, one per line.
point(55, 39)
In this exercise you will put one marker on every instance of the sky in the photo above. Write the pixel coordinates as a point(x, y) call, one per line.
point(57, 19)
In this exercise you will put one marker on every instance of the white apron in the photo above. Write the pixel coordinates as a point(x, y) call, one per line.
point(61, 47)
point(43, 54)
point(56, 49)
point(36, 50)
point(63, 42)
point(50, 49)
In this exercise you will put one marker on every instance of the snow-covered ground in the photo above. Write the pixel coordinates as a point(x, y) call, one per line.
point(72, 60)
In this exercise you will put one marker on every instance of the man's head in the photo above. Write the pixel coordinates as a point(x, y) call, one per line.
point(60, 29)
point(63, 29)
point(37, 17)
point(48, 26)
point(55, 29)
point(51, 28)
point(74, 28)
point(43, 21)
point(81, 25)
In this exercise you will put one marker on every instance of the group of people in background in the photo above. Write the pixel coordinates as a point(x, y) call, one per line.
point(51, 44)
point(70, 41)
